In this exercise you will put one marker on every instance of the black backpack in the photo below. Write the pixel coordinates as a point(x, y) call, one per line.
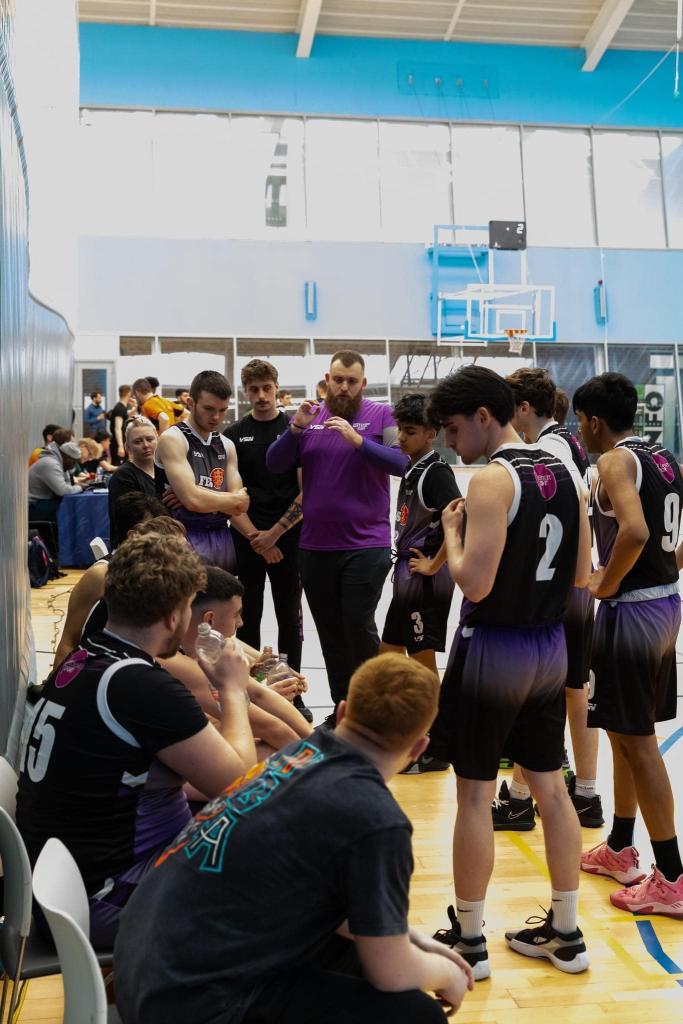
point(41, 567)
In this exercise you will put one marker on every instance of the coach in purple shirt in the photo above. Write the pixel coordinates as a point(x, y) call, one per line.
point(346, 449)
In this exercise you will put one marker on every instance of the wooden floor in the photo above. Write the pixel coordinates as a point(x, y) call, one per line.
point(636, 969)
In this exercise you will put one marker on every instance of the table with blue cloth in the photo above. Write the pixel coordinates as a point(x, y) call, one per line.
point(81, 518)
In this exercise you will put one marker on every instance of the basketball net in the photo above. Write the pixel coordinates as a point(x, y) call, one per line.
point(516, 338)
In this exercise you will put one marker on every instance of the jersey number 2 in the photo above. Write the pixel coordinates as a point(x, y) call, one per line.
point(36, 759)
point(550, 531)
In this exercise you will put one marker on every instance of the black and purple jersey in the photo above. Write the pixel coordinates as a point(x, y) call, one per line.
point(425, 490)
point(568, 444)
point(208, 458)
point(89, 775)
point(660, 486)
point(538, 565)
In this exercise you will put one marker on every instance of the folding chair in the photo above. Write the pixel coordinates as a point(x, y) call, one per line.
point(60, 892)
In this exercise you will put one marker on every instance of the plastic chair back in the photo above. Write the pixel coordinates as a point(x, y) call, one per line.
point(58, 888)
point(17, 893)
point(8, 787)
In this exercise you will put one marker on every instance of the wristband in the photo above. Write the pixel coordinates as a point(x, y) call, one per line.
point(297, 426)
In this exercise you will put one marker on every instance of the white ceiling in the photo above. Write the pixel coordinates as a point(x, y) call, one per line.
point(628, 24)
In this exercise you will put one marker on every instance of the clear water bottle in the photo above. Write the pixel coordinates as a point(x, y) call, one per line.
point(280, 670)
point(210, 643)
point(266, 664)
point(99, 475)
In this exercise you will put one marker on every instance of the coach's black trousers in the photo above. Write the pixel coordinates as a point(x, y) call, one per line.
point(285, 586)
point(343, 589)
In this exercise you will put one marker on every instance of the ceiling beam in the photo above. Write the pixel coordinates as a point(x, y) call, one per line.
point(454, 20)
point(152, 12)
point(309, 12)
point(603, 30)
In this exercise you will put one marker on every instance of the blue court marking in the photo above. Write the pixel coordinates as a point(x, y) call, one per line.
point(654, 948)
point(646, 928)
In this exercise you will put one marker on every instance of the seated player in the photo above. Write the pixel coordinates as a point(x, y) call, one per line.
point(272, 718)
point(238, 921)
point(114, 736)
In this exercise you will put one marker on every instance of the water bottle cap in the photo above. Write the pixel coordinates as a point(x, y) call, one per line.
point(203, 628)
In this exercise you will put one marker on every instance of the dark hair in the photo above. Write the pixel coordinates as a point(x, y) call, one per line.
point(347, 357)
point(135, 507)
point(212, 382)
point(472, 388)
point(102, 435)
point(611, 397)
point(153, 382)
point(220, 586)
point(62, 435)
point(535, 386)
point(258, 369)
point(143, 385)
point(561, 406)
point(150, 577)
point(94, 394)
point(50, 429)
point(415, 409)
point(180, 391)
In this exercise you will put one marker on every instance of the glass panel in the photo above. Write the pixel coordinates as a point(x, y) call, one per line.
point(134, 346)
point(114, 169)
point(415, 170)
point(558, 186)
point(628, 186)
point(652, 370)
point(569, 366)
point(487, 174)
point(672, 153)
point(342, 179)
point(266, 179)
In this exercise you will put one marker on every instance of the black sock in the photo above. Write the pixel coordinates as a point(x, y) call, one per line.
point(621, 835)
point(668, 858)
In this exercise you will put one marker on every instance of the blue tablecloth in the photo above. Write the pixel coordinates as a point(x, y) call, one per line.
point(81, 518)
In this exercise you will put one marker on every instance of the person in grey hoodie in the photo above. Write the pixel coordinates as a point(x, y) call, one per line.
point(49, 480)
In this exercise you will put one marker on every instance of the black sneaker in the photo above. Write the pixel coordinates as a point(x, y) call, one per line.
point(472, 950)
point(566, 952)
point(511, 815)
point(302, 709)
point(588, 808)
point(425, 763)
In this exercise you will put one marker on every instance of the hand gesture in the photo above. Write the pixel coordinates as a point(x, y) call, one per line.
point(287, 688)
point(231, 671)
point(261, 541)
point(171, 500)
point(420, 564)
point(453, 516)
point(344, 428)
point(596, 583)
point(306, 413)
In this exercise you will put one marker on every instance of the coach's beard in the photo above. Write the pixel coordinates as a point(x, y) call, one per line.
point(344, 405)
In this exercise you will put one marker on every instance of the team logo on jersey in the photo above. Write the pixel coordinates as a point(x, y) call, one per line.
point(217, 478)
point(402, 515)
point(663, 466)
point(71, 668)
point(577, 444)
point(545, 478)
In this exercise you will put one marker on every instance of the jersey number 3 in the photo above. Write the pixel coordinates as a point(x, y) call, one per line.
point(550, 531)
point(37, 758)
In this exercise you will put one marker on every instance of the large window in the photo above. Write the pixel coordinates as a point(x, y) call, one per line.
point(266, 180)
point(415, 172)
point(628, 186)
point(672, 157)
point(487, 174)
point(652, 370)
point(558, 187)
point(342, 179)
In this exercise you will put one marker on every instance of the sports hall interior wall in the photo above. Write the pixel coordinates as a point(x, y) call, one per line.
point(35, 388)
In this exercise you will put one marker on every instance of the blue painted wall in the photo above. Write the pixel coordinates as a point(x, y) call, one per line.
point(124, 65)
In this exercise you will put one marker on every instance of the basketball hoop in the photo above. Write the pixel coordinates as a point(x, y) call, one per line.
point(516, 338)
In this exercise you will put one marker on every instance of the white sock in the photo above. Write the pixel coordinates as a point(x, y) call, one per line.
point(518, 791)
point(586, 787)
point(565, 907)
point(471, 918)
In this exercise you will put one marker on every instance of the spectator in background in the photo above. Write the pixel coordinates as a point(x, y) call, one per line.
point(161, 411)
point(181, 396)
point(561, 406)
point(48, 433)
point(91, 453)
point(137, 474)
point(321, 390)
point(103, 438)
point(117, 421)
point(93, 415)
point(49, 481)
point(284, 400)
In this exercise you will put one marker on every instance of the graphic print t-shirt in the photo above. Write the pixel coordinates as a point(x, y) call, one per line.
point(264, 874)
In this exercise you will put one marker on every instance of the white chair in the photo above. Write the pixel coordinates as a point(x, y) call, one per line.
point(8, 787)
point(59, 889)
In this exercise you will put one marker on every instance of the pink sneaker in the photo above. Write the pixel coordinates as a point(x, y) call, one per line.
point(622, 866)
point(655, 895)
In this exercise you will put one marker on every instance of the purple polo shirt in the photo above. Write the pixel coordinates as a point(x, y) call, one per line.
point(345, 489)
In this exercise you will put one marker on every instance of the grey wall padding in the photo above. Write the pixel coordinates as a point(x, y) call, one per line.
point(35, 389)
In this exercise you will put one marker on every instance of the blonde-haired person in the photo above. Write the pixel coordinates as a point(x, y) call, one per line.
point(114, 735)
point(307, 852)
point(138, 473)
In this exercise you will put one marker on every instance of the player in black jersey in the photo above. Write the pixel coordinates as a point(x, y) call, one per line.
point(535, 402)
point(113, 735)
point(515, 547)
point(636, 518)
point(200, 468)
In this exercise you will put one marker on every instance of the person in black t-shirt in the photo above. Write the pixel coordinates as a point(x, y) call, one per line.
point(526, 541)
point(239, 918)
point(137, 474)
point(267, 537)
point(117, 423)
point(113, 735)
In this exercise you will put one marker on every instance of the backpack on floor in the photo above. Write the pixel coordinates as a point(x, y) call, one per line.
point(40, 565)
